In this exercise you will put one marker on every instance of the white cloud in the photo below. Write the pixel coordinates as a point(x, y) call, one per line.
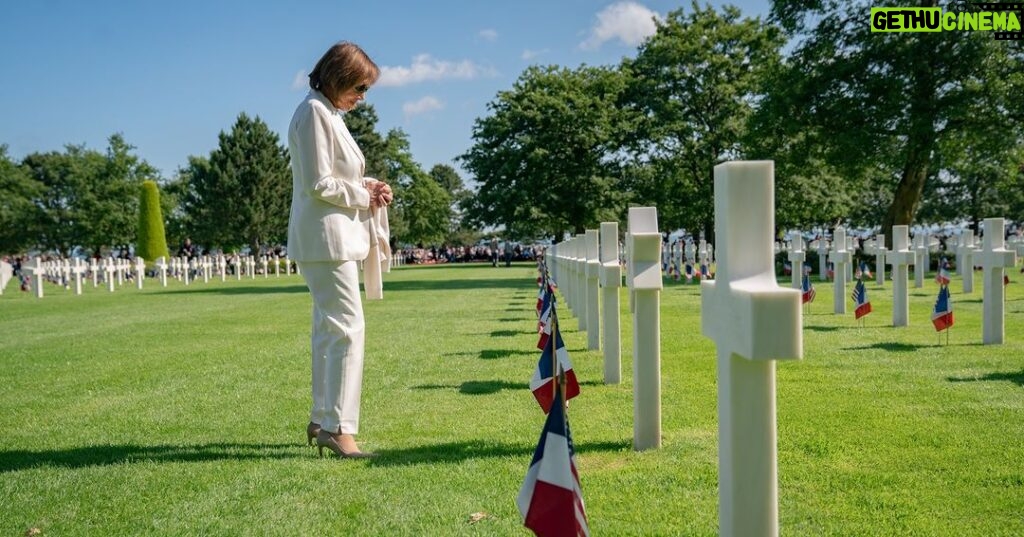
point(489, 34)
point(628, 22)
point(301, 80)
point(422, 106)
point(424, 67)
point(531, 54)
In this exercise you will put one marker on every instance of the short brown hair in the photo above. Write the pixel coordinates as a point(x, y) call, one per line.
point(343, 66)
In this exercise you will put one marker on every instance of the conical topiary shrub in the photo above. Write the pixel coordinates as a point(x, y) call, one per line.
point(152, 242)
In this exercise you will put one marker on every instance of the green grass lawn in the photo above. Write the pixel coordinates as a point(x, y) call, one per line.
point(181, 411)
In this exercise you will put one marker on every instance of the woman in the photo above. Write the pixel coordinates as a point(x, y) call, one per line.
point(335, 222)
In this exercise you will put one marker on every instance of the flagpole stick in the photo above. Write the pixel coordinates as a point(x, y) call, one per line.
point(553, 341)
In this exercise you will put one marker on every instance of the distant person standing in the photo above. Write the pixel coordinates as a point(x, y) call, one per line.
point(338, 218)
point(494, 251)
point(508, 253)
point(187, 250)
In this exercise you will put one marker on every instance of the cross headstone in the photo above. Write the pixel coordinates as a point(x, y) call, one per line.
point(966, 253)
point(822, 262)
point(841, 263)
point(593, 268)
point(36, 271)
point(900, 256)
point(611, 281)
point(880, 260)
point(94, 271)
point(851, 246)
point(644, 246)
point(186, 271)
point(994, 258)
point(922, 261)
point(250, 263)
point(6, 274)
point(222, 267)
point(161, 265)
point(140, 271)
point(753, 323)
point(796, 259)
point(691, 250)
point(277, 265)
point(264, 263)
point(206, 265)
point(78, 268)
point(110, 271)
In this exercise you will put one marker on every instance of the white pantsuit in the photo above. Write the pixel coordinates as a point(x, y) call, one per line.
point(331, 228)
point(337, 341)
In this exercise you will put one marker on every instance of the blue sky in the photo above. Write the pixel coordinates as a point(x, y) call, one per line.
point(170, 76)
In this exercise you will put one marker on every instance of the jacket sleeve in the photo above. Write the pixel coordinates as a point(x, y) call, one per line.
point(318, 152)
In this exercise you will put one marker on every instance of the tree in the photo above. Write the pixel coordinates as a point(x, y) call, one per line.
point(241, 194)
point(151, 242)
point(426, 210)
point(449, 180)
point(19, 215)
point(889, 103)
point(692, 87)
point(541, 157)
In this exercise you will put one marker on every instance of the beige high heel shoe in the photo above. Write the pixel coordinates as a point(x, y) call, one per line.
point(311, 431)
point(334, 443)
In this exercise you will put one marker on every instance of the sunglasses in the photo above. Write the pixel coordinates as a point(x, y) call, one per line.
point(361, 89)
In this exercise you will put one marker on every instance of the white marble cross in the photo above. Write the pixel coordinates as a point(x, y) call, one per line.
point(922, 262)
point(78, 268)
point(140, 271)
point(6, 274)
point(753, 323)
point(277, 265)
point(880, 260)
point(611, 281)
point(250, 263)
point(36, 272)
point(643, 246)
point(264, 264)
point(841, 259)
point(593, 289)
point(900, 256)
point(796, 259)
point(965, 253)
point(94, 271)
point(994, 259)
point(823, 264)
point(110, 270)
point(222, 267)
point(161, 265)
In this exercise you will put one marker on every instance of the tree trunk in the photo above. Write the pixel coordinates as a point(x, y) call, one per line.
point(908, 196)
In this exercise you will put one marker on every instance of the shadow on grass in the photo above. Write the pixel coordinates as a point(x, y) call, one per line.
point(1016, 378)
point(891, 347)
point(826, 328)
point(218, 289)
point(510, 333)
point(512, 319)
point(442, 285)
point(80, 457)
point(487, 387)
point(494, 354)
point(453, 452)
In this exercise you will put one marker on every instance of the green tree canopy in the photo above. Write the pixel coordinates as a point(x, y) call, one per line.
point(19, 215)
point(541, 157)
point(241, 194)
point(889, 111)
point(692, 87)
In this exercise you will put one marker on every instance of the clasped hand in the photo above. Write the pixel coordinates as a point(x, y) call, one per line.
point(380, 194)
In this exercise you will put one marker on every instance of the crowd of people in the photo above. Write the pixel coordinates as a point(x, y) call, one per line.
point(423, 255)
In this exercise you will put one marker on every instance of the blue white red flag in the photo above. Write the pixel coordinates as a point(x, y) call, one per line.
point(546, 318)
point(704, 272)
point(942, 313)
point(551, 500)
point(689, 273)
point(942, 276)
point(860, 300)
point(808, 290)
point(544, 380)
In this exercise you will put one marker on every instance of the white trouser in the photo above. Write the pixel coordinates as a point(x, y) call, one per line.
point(338, 338)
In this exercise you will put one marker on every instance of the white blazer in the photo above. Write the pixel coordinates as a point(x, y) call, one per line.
point(330, 214)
